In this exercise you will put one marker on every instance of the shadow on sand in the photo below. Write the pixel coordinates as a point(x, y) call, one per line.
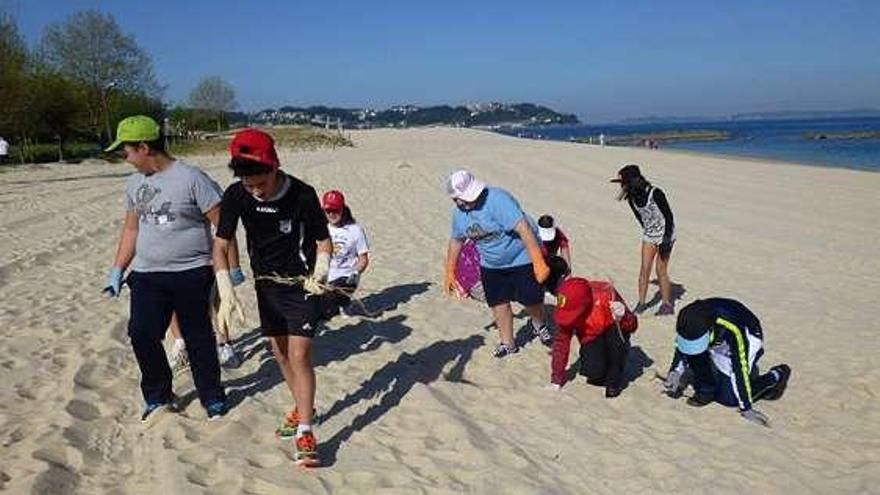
point(394, 380)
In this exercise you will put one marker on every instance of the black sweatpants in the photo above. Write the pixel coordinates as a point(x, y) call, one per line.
point(604, 359)
point(154, 296)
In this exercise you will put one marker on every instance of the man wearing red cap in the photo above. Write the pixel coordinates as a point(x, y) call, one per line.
point(285, 227)
point(596, 314)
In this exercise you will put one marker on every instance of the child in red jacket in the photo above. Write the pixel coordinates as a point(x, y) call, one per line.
point(598, 316)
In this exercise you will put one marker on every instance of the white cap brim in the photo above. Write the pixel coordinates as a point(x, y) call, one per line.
point(473, 191)
point(547, 234)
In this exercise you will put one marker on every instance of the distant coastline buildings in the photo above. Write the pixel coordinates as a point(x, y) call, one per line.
point(474, 115)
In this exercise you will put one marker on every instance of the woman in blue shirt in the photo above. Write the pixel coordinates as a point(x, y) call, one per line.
point(511, 263)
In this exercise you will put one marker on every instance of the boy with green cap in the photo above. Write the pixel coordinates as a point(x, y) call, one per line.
point(166, 238)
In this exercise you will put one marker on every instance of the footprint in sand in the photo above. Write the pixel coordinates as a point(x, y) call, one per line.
point(105, 369)
point(82, 410)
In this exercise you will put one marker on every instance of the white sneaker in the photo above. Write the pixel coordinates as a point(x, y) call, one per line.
point(228, 357)
point(179, 360)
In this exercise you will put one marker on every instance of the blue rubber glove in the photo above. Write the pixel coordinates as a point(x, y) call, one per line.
point(114, 282)
point(236, 275)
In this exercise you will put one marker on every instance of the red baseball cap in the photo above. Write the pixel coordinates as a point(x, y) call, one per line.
point(574, 301)
point(333, 200)
point(256, 145)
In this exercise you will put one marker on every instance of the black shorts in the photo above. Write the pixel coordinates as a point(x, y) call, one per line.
point(518, 284)
point(665, 249)
point(285, 310)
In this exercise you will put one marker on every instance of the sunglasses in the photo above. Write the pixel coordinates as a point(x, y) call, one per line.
point(332, 211)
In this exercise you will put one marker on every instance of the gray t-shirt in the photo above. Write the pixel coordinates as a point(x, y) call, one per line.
point(173, 232)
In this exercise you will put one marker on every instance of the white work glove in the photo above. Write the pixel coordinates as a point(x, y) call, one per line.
point(756, 416)
point(230, 307)
point(673, 383)
point(618, 309)
point(314, 283)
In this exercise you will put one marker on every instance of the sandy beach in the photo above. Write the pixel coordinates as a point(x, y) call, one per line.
point(411, 399)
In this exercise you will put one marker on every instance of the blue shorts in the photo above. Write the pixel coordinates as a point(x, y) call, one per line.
point(517, 283)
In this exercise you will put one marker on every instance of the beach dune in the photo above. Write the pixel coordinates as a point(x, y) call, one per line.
point(410, 397)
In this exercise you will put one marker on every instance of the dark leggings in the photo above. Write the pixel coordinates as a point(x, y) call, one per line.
point(331, 302)
point(604, 359)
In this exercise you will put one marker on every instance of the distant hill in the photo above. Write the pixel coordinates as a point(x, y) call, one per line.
point(489, 114)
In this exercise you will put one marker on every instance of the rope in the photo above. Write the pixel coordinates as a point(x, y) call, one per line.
point(300, 280)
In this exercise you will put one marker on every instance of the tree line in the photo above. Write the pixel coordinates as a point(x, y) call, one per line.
point(62, 98)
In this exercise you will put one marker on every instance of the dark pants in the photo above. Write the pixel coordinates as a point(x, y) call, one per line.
point(604, 359)
point(331, 302)
point(154, 296)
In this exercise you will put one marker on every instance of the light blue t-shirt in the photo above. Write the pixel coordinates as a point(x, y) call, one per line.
point(490, 226)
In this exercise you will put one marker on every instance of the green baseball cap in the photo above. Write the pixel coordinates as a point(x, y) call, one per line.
point(135, 129)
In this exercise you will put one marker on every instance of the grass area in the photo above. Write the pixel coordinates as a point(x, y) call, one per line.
point(663, 137)
point(48, 152)
point(290, 137)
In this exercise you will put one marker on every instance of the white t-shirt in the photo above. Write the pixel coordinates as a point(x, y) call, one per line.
point(4, 147)
point(348, 242)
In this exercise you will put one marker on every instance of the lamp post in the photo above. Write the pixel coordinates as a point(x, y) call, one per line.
point(106, 97)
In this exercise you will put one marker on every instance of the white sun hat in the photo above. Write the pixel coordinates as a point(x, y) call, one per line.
point(462, 185)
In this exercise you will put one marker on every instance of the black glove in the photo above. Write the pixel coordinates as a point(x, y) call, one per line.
point(353, 279)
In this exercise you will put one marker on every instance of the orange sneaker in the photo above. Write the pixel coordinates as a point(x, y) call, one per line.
point(306, 450)
point(287, 429)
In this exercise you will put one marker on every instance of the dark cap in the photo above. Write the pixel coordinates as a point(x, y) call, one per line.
point(693, 327)
point(627, 174)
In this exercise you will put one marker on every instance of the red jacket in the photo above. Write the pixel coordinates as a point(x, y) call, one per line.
point(597, 322)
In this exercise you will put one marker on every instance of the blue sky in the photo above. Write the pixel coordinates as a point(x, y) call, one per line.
point(604, 60)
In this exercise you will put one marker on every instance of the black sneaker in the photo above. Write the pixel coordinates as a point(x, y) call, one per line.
point(612, 392)
point(640, 308)
point(543, 333)
point(665, 310)
point(776, 392)
point(699, 401)
point(504, 350)
point(151, 409)
point(216, 409)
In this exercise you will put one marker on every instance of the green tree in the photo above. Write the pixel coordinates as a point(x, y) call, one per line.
point(90, 48)
point(14, 97)
point(214, 96)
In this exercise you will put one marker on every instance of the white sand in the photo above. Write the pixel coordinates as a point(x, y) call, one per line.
point(416, 403)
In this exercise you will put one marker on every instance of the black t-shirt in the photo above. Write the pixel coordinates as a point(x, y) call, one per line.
point(281, 234)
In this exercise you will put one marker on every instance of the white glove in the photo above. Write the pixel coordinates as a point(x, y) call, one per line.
point(230, 307)
point(618, 309)
point(672, 384)
point(756, 416)
point(313, 284)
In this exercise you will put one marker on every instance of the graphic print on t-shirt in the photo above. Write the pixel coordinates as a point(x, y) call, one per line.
point(476, 232)
point(146, 212)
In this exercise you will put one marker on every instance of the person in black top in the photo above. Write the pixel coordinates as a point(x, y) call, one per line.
point(718, 343)
point(286, 234)
point(649, 205)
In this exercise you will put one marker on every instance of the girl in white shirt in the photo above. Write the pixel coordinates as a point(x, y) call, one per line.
point(350, 254)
